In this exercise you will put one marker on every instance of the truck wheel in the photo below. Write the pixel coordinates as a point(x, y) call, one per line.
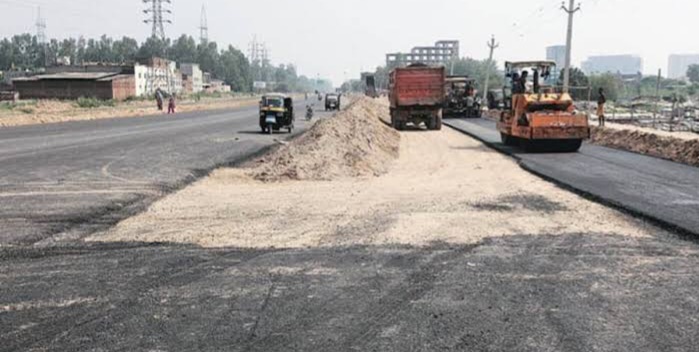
point(438, 123)
point(270, 129)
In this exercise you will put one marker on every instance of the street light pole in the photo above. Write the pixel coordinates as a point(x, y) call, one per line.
point(492, 45)
point(571, 10)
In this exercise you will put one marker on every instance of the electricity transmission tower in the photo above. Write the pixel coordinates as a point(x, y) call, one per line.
point(259, 57)
point(40, 28)
point(204, 26)
point(157, 16)
point(41, 36)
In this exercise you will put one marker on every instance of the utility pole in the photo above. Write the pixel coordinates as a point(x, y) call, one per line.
point(204, 26)
point(492, 45)
point(571, 10)
point(657, 96)
point(156, 12)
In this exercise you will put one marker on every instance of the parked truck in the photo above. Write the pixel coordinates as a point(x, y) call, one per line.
point(417, 94)
point(370, 89)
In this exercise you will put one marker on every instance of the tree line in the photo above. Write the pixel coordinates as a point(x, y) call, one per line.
point(25, 52)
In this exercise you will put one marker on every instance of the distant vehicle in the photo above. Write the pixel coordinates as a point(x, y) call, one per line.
point(495, 99)
point(370, 90)
point(332, 102)
point(461, 98)
point(539, 118)
point(416, 96)
point(276, 113)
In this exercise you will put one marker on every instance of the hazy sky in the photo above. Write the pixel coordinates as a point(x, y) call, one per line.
point(333, 37)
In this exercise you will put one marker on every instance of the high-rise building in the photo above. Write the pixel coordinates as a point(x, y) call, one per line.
point(621, 64)
point(557, 54)
point(443, 52)
point(679, 64)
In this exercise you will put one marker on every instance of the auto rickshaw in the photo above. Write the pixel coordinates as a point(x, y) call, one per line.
point(276, 113)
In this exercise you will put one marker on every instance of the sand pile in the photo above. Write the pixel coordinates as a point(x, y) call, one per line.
point(676, 149)
point(353, 143)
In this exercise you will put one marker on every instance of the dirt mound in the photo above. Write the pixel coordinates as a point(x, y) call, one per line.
point(676, 149)
point(353, 143)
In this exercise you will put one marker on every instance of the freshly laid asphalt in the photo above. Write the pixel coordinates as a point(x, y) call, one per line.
point(661, 190)
point(63, 181)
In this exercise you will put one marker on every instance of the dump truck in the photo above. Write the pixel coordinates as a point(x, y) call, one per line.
point(417, 94)
point(538, 116)
point(370, 87)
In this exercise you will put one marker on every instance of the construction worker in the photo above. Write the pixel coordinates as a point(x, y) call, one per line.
point(522, 87)
point(601, 101)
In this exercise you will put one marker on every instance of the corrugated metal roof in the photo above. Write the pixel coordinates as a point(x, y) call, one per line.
point(71, 75)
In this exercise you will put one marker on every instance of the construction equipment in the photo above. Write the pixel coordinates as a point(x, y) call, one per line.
point(535, 115)
point(416, 96)
point(461, 98)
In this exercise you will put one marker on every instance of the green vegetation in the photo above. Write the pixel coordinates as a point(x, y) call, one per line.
point(229, 64)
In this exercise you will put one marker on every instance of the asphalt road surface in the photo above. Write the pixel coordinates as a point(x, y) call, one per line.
point(564, 292)
point(661, 190)
point(63, 181)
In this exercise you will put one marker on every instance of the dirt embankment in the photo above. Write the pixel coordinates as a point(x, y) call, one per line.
point(54, 111)
point(444, 187)
point(351, 144)
point(682, 150)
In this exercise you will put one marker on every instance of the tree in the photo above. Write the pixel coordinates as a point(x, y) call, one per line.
point(579, 83)
point(609, 83)
point(184, 50)
point(693, 73)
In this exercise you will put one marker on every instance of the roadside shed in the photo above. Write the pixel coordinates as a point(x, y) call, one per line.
point(73, 85)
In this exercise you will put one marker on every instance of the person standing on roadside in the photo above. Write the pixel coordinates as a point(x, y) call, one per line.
point(171, 105)
point(159, 99)
point(601, 101)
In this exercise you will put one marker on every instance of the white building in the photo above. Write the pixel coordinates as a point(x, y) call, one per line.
point(679, 64)
point(557, 54)
point(616, 64)
point(155, 73)
point(192, 78)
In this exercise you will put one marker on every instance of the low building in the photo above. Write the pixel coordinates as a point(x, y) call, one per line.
point(156, 73)
point(616, 64)
point(678, 65)
point(216, 86)
point(74, 85)
point(192, 78)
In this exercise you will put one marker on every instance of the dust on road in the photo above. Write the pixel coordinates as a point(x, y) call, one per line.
point(444, 187)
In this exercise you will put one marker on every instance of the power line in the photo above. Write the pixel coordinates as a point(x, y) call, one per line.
point(157, 17)
point(40, 28)
point(204, 26)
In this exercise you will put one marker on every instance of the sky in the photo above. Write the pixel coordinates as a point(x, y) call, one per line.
point(339, 39)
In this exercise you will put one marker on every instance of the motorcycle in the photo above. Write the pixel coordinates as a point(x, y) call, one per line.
point(309, 113)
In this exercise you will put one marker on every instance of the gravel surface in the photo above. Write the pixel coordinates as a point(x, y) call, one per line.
point(445, 187)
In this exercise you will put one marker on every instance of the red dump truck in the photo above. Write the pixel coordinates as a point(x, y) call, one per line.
point(417, 93)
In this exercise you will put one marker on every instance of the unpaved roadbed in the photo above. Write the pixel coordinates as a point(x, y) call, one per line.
point(444, 187)
point(51, 111)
